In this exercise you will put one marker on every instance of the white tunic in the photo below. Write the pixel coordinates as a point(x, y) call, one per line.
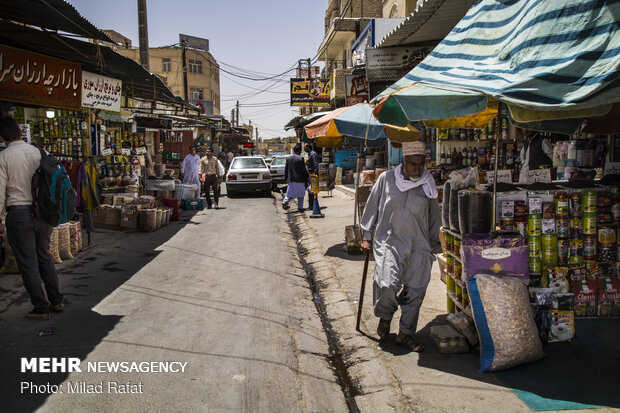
point(191, 170)
point(406, 233)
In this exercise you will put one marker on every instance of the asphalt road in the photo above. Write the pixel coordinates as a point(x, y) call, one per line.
point(221, 291)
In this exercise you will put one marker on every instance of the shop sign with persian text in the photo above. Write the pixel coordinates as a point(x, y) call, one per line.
point(33, 78)
point(101, 92)
point(538, 175)
point(392, 63)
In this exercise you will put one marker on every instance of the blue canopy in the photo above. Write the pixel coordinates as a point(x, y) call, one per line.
point(551, 55)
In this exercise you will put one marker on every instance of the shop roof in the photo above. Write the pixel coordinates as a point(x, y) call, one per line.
point(431, 21)
point(138, 83)
point(56, 15)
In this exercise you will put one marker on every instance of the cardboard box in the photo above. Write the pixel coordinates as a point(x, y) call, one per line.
point(608, 297)
point(585, 298)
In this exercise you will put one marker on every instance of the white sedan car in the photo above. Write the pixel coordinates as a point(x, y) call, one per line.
point(248, 173)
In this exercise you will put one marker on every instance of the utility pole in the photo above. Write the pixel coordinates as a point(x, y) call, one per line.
point(143, 34)
point(183, 49)
point(232, 116)
point(237, 113)
point(310, 80)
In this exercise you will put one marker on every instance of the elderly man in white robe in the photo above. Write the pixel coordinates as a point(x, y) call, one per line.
point(190, 168)
point(402, 220)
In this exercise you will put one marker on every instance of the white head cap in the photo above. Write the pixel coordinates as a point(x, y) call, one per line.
point(414, 148)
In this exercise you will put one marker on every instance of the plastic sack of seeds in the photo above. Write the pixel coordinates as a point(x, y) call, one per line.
point(503, 317)
point(9, 266)
point(64, 241)
point(54, 246)
point(74, 229)
point(497, 253)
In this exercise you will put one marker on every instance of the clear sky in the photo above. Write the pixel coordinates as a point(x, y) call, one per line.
point(267, 36)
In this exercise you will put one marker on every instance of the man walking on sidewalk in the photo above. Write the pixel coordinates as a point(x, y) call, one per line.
point(210, 167)
point(403, 214)
point(313, 168)
point(190, 168)
point(28, 236)
point(296, 175)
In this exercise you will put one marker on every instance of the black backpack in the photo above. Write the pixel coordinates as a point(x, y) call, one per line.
point(52, 193)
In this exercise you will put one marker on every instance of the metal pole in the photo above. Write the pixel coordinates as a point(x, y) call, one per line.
point(498, 121)
point(185, 90)
point(237, 114)
point(362, 289)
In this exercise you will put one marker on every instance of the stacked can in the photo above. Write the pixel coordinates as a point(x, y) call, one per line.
point(606, 246)
point(562, 226)
point(589, 205)
point(507, 221)
point(534, 233)
point(520, 221)
point(549, 237)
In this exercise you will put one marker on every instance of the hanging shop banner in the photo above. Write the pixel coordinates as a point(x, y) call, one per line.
point(392, 63)
point(346, 158)
point(101, 92)
point(306, 92)
point(357, 89)
point(33, 78)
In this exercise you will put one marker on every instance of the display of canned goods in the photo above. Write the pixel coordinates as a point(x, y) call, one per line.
point(563, 247)
point(535, 264)
point(606, 237)
point(548, 210)
point(450, 265)
point(449, 241)
point(607, 255)
point(576, 247)
point(534, 225)
point(574, 205)
point(549, 242)
point(561, 228)
point(535, 244)
point(457, 247)
point(589, 223)
point(603, 199)
point(588, 201)
point(535, 205)
point(548, 226)
point(520, 208)
point(561, 204)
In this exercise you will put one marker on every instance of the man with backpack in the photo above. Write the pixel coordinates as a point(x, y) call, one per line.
point(28, 236)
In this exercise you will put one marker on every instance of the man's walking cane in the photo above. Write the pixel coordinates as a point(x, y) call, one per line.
point(361, 300)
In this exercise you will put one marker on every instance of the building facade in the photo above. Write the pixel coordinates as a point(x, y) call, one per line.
point(203, 71)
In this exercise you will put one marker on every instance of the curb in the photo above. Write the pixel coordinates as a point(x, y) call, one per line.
point(378, 387)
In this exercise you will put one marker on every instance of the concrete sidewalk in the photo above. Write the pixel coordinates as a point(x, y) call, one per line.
point(388, 377)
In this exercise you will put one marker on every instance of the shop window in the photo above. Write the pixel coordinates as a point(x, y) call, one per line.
point(195, 93)
point(195, 66)
point(167, 67)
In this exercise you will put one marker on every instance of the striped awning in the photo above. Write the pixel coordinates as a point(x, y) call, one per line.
point(551, 55)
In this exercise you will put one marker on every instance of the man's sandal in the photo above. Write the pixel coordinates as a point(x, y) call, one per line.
point(383, 329)
point(406, 341)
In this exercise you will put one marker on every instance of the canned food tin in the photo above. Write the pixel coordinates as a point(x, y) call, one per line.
point(535, 203)
point(450, 265)
point(604, 217)
point(574, 205)
point(548, 210)
point(507, 224)
point(449, 241)
point(535, 264)
point(457, 247)
point(549, 258)
point(589, 223)
point(520, 208)
point(606, 237)
point(615, 211)
point(576, 227)
point(561, 228)
point(589, 247)
point(459, 292)
point(574, 260)
point(563, 248)
point(588, 201)
point(451, 307)
point(548, 226)
point(549, 243)
point(458, 270)
point(535, 244)
point(534, 225)
point(576, 247)
point(607, 255)
point(561, 204)
point(603, 199)
point(450, 285)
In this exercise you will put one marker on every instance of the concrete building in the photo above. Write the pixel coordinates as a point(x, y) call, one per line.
point(203, 71)
point(399, 8)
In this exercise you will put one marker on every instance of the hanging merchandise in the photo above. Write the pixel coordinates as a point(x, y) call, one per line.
point(474, 209)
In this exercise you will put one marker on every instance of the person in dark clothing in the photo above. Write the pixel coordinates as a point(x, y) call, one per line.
point(296, 175)
point(313, 168)
point(28, 235)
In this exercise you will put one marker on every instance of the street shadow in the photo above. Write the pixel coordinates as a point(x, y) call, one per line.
point(584, 370)
point(340, 251)
point(85, 281)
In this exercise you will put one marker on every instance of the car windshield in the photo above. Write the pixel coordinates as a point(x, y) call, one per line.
point(278, 161)
point(248, 163)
